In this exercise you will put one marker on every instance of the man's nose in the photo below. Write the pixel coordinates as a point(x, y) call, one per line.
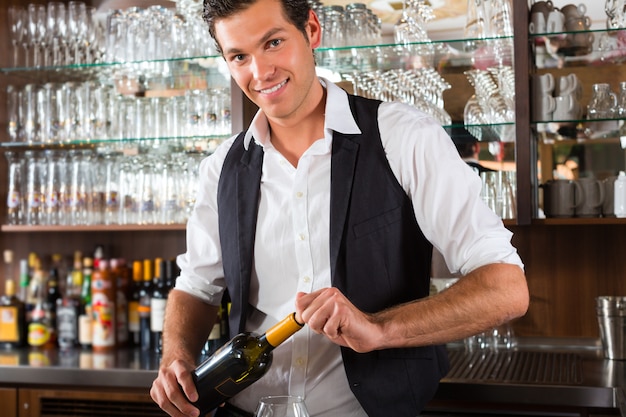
point(263, 67)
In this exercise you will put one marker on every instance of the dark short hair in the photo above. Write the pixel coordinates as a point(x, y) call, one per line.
point(295, 11)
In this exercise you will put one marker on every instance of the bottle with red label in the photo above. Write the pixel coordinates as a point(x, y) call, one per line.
point(103, 298)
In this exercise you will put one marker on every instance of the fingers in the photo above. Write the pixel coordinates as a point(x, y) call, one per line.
point(167, 391)
point(330, 313)
point(323, 311)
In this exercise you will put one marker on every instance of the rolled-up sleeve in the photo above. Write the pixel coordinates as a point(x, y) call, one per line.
point(445, 192)
point(201, 270)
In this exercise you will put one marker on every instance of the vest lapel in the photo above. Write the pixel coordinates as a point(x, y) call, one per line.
point(344, 154)
point(240, 188)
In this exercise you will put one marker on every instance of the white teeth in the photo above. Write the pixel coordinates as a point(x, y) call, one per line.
point(275, 88)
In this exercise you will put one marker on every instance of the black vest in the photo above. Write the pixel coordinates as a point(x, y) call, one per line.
point(378, 255)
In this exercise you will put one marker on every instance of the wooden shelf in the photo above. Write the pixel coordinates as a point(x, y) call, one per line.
point(93, 228)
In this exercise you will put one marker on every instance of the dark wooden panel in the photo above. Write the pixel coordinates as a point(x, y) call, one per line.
point(566, 268)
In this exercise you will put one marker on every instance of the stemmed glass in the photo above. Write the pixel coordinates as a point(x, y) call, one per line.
point(281, 405)
point(37, 31)
point(77, 28)
point(57, 31)
point(17, 26)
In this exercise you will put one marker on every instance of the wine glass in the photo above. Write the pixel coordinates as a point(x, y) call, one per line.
point(17, 25)
point(57, 29)
point(37, 31)
point(77, 29)
point(281, 406)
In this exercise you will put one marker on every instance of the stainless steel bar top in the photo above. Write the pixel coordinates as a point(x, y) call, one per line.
point(552, 372)
point(131, 368)
point(549, 372)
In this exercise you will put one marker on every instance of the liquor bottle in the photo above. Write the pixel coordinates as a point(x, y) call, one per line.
point(24, 281)
point(68, 307)
point(39, 325)
point(12, 318)
point(238, 364)
point(133, 304)
point(158, 300)
point(85, 320)
point(145, 293)
point(103, 295)
point(8, 264)
point(50, 303)
point(119, 275)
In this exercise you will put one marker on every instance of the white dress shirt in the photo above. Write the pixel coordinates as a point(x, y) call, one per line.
point(291, 251)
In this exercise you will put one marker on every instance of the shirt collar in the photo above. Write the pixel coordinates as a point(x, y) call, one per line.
point(339, 118)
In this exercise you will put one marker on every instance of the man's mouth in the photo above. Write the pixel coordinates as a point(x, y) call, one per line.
point(273, 89)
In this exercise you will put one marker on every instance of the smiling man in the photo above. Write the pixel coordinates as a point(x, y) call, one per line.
point(330, 205)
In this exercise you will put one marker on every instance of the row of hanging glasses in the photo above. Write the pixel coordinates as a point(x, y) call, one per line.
point(72, 34)
point(352, 25)
point(492, 105)
point(54, 34)
point(56, 113)
point(422, 88)
point(85, 187)
point(155, 33)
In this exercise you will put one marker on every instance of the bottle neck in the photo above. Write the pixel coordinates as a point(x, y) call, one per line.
point(281, 331)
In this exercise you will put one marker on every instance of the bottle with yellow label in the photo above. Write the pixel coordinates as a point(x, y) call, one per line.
point(39, 326)
point(12, 318)
point(239, 363)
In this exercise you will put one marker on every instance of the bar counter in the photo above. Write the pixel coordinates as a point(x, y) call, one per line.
point(538, 372)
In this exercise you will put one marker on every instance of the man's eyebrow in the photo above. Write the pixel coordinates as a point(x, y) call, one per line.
point(267, 36)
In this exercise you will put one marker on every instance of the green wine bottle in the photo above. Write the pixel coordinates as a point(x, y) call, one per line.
point(239, 363)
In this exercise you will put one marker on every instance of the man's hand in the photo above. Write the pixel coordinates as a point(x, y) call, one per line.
point(186, 327)
point(329, 312)
point(166, 390)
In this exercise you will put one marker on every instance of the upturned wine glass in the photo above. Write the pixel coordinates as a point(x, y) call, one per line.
point(17, 31)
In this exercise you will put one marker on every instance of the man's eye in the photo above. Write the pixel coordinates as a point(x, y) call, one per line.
point(275, 42)
point(238, 57)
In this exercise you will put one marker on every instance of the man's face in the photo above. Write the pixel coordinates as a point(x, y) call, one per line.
point(270, 59)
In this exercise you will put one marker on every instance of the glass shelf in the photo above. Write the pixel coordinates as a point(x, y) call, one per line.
point(447, 56)
point(186, 143)
point(594, 47)
point(581, 131)
point(93, 228)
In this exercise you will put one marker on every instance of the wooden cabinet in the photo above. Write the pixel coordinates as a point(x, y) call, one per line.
point(77, 402)
point(8, 399)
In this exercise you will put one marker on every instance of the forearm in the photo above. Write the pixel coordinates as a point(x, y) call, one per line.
point(485, 298)
point(188, 321)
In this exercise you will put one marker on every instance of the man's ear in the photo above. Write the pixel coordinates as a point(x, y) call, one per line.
point(314, 30)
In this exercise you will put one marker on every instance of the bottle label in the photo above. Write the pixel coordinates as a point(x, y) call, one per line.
point(67, 325)
point(9, 324)
point(133, 316)
point(38, 334)
point(157, 314)
point(103, 321)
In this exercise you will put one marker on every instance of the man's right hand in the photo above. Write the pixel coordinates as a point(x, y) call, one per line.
point(173, 389)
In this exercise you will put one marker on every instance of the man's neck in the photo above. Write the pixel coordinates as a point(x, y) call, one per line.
point(293, 139)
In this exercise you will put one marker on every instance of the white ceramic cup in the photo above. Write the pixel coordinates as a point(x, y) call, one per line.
point(555, 22)
point(543, 83)
point(543, 107)
point(537, 23)
point(564, 108)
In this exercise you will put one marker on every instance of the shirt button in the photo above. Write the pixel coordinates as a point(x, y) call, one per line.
point(299, 194)
point(301, 236)
point(306, 279)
